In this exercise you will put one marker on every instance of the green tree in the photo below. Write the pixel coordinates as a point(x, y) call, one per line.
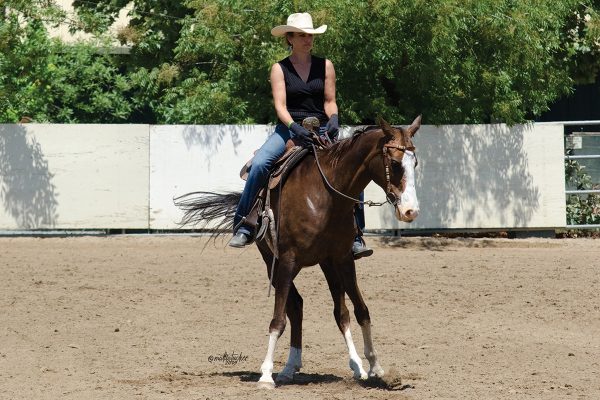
point(208, 61)
point(224, 53)
point(48, 81)
point(153, 30)
point(152, 34)
point(454, 61)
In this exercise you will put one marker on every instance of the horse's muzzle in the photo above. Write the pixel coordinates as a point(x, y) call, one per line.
point(407, 214)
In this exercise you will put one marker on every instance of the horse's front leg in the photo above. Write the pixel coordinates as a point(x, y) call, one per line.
point(375, 369)
point(282, 281)
point(294, 312)
point(363, 318)
point(342, 316)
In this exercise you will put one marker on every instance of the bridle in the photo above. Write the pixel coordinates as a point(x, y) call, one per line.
point(387, 162)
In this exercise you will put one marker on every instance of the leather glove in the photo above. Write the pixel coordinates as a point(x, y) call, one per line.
point(333, 127)
point(299, 133)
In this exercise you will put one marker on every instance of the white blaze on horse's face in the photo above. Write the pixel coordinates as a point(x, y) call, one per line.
point(407, 208)
point(404, 197)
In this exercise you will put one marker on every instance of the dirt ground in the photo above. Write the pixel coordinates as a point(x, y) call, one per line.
point(148, 317)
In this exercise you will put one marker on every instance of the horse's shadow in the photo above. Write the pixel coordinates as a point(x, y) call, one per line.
point(302, 379)
point(299, 378)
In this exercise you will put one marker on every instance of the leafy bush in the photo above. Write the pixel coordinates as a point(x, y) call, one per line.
point(582, 209)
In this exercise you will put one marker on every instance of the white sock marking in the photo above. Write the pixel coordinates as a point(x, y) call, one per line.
point(267, 365)
point(370, 353)
point(355, 361)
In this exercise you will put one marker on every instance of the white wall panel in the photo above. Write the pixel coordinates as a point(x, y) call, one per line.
point(73, 176)
point(484, 176)
point(126, 176)
point(187, 158)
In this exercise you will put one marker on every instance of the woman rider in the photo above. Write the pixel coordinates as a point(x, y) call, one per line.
point(303, 86)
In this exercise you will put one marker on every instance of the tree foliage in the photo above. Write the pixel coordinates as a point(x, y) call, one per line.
point(48, 81)
point(208, 61)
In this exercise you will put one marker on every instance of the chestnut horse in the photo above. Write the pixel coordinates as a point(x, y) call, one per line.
point(316, 226)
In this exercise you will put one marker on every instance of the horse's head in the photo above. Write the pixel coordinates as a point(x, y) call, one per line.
point(399, 163)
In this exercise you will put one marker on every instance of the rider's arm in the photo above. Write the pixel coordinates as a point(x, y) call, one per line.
point(330, 104)
point(278, 89)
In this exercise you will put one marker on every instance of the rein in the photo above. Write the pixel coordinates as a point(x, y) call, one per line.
point(389, 195)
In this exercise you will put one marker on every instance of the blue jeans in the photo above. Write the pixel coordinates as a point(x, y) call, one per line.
point(258, 174)
point(359, 216)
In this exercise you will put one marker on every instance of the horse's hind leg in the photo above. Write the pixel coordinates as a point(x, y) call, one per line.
point(342, 317)
point(362, 316)
point(294, 313)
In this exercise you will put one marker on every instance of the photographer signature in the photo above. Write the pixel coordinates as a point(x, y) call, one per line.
point(228, 358)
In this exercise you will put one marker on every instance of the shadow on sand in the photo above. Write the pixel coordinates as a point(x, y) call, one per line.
point(300, 379)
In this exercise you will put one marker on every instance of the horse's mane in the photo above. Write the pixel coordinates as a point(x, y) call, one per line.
point(338, 149)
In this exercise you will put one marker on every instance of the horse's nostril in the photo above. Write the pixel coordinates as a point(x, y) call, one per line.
point(409, 213)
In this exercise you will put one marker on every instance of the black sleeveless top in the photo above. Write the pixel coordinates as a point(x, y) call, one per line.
point(305, 99)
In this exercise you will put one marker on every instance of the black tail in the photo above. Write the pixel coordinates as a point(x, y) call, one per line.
point(203, 208)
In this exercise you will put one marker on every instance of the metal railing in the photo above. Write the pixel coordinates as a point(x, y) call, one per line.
point(582, 157)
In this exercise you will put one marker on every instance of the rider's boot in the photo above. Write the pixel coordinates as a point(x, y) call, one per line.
point(360, 249)
point(240, 239)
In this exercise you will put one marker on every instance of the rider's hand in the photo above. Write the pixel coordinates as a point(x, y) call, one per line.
point(300, 133)
point(333, 127)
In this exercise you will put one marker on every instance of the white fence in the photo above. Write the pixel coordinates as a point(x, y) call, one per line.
point(125, 176)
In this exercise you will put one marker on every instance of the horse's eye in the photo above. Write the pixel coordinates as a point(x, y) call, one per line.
point(396, 166)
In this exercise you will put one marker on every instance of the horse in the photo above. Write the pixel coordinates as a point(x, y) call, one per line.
point(316, 226)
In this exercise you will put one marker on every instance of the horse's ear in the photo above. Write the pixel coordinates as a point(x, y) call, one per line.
point(385, 126)
point(414, 127)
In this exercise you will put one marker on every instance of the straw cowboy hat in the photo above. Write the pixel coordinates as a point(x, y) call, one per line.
point(298, 22)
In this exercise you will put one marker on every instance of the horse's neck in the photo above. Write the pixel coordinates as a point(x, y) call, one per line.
point(349, 171)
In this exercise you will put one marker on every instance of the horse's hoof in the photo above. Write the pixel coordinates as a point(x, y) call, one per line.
point(266, 384)
point(361, 376)
point(283, 379)
point(359, 372)
point(376, 373)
